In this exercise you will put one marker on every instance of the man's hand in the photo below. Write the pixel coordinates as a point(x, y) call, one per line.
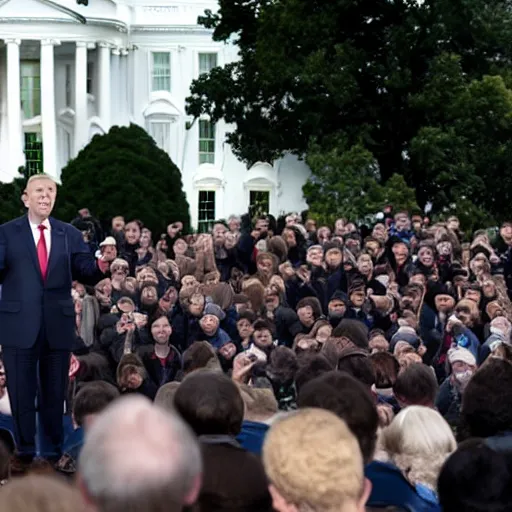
point(242, 366)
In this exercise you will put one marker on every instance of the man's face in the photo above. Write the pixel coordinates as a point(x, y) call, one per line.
point(234, 225)
point(180, 246)
point(506, 233)
point(145, 239)
point(337, 307)
point(339, 227)
point(117, 224)
point(401, 253)
point(444, 248)
point(174, 228)
point(219, 234)
point(380, 233)
point(289, 238)
point(372, 248)
point(39, 197)
point(402, 222)
point(426, 256)
point(244, 328)
point(315, 257)
point(306, 316)
point(209, 324)
point(228, 351)
point(188, 282)
point(473, 295)
point(263, 338)
point(262, 226)
point(357, 298)
point(147, 275)
point(444, 303)
point(109, 252)
point(265, 266)
point(149, 296)
point(271, 301)
point(324, 235)
point(364, 264)
point(196, 305)
point(333, 258)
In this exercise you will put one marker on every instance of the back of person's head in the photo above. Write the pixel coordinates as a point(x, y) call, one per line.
point(259, 404)
point(314, 463)
point(475, 478)
point(353, 330)
point(356, 362)
point(165, 395)
point(386, 368)
point(210, 403)
point(310, 367)
point(38, 493)
point(350, 400)
point(141, 458)
point(487, 401)
point(92, 398)
point(416, 385)
point(200, 355)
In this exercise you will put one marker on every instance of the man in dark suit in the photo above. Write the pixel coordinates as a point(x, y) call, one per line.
point(40, 257)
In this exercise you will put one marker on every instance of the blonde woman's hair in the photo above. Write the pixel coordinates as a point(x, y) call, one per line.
point(40, 493)
point(314, 461)
point(418, 441)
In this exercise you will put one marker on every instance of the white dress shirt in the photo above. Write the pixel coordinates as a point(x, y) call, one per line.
point(47, 234)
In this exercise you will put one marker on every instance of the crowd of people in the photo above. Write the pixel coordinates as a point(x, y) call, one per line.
point(280, 365)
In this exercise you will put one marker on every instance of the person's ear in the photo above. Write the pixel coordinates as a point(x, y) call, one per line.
point(193, 493)
point(367, 489)
point(24, 198)
point(279, 503)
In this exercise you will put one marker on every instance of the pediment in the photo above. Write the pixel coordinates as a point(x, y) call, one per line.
point(66, 10)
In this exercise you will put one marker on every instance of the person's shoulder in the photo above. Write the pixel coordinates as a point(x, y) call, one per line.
point(14, 223)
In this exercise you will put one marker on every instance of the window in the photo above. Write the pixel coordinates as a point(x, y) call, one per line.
point(31, 89)
point(33, 154)
point(90, 77)
point(207, 61)
point(206, 142)
point(206, 210)
point(161, 133)
point(68, 85)
point(161, 71)
point(259, 202)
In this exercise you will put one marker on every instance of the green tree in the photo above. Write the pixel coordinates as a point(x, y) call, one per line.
point(124, 173)
point(11, 205)
point(345, 183)
point(377, 75)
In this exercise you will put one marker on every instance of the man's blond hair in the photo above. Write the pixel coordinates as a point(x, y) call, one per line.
point(38, 177)
point(314, 461)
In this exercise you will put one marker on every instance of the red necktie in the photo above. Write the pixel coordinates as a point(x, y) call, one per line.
point(42, 252)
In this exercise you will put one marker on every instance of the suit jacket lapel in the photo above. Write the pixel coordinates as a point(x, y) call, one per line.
point(28, 237)
point(57, 247)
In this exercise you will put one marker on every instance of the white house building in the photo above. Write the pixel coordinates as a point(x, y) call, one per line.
point(68, 72)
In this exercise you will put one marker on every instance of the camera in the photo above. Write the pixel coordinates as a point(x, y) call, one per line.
point(82, 2)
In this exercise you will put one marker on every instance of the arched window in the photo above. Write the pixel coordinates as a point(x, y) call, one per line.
point(260, 186)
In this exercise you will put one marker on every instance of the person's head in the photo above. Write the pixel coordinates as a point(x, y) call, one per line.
point(145, 238)
point(400, 252)
point(475, 478)
point(118, 224)
point(463, 365)
point(418, 441)
point(354, 331)
point(333, 257)
point(263, 334)
point(356, 362)
point(386, 369)
point(211, 319)
point(311, 366)
point(40, 493)
point(426, 256)
point(219, 233)
point(119, 269)
point(487, 401)
point(244, 324)
point(501, 325)
point(416, 385)
point(402, 221)
point(234, 223)
point(372, 247)
point(91, 400)
point(139, 457)
point(337, 306)
point(350, 400)
point(39, 197)
point(210, 403)
point(165, 396)
point(174, 229)
point(260, 404)
point(444, 303)
point(380, 232)
point(290, 237)
point(365, 265)
point(314, 463)
point(315, 255)
point(199, 355)
point(161, 330)
point(323, 235)
point(133, 231)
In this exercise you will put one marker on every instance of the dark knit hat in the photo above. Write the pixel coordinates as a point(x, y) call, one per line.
point(339, 295)
point(332, 245)
point(354, 330)
point(213, 309)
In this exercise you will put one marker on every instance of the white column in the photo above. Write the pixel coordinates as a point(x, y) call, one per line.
point(49, 124)
point(104, 86)
point(16, 155)
point(123, 91)
point(116, 82)
point(80, 96)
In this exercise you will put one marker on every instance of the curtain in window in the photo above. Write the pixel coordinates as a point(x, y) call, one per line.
point(161, 71)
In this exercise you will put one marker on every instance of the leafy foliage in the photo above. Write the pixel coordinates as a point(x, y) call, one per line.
point(11, 205)
point(423, 87)
point(345, 183)
point(124, 173)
